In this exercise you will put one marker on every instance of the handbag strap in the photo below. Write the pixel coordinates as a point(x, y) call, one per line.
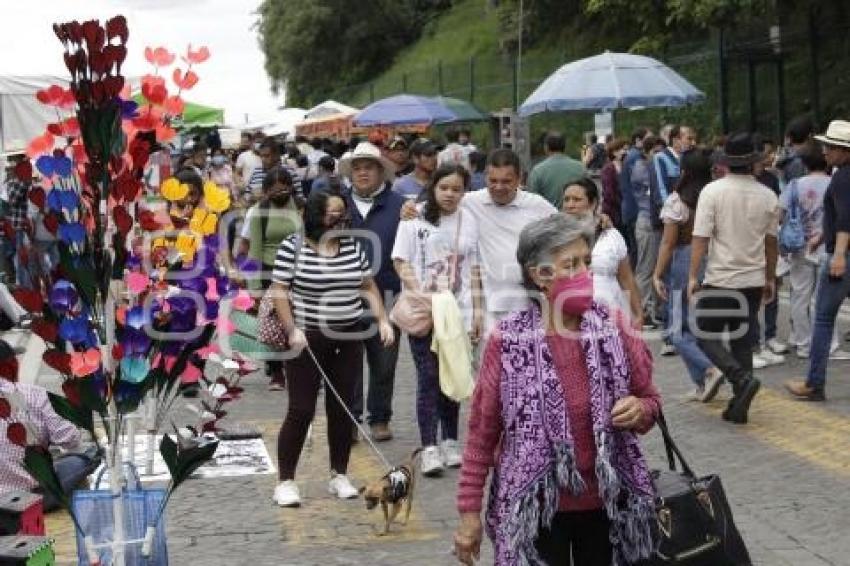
point(672, 449)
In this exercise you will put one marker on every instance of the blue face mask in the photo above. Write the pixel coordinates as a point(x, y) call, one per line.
point(219, 160)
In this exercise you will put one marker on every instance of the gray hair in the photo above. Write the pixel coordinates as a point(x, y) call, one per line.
point(539, 241)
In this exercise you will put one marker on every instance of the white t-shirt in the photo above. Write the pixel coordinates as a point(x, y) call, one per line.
point(246, 163)
point(429, 250)
point(453, 153)
point(608, 252)
point(498, 228)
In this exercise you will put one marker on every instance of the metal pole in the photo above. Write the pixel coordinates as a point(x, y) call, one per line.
point(518, 70)
point(780, 95)
point(440, 77)
point(722, 99)
point(472, 79)
point(752, 96)
point(404, 82)
point(371, 92)
point(814, 67)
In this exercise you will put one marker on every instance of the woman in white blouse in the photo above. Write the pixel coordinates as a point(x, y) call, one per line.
point(613, 280)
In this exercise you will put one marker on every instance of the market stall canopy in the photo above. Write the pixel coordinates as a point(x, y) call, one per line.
point(404, 109)
point(465, 111)
point(329, 108)
point(609, 81)
point(195, 115)
point(284, 121)
point(22, 116)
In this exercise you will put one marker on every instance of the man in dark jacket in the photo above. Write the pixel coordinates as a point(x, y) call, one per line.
point(376, 210)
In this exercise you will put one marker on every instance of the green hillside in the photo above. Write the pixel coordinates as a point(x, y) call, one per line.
point(458, 54)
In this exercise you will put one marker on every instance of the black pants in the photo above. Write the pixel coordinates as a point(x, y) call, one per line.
point(382, 363)
point(338, 359)
point(576, 538)
point(729, 310)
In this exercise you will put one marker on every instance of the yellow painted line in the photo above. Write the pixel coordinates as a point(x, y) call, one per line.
point(313, 523)
point(806, 430)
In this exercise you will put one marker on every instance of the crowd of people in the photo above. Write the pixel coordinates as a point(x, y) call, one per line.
point(554, 273)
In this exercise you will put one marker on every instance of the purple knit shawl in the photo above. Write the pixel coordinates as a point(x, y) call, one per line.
point(537, 459)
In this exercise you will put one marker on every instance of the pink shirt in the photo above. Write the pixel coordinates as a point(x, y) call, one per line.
point(485, 421)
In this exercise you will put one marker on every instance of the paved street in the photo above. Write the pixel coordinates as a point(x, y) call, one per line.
point(787, 475)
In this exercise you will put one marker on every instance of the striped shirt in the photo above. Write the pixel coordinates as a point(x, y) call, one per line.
point(255, 181)
point(325, 291)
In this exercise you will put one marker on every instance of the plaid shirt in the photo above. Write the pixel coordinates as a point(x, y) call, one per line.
point(18, 204)
point(44, 424)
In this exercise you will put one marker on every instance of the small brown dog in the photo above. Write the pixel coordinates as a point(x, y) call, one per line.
point(394, 489)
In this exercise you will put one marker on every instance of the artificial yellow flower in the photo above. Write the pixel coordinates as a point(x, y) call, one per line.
point(171, 189)
point(186, 244)
point(203, 222)
point(216, 198)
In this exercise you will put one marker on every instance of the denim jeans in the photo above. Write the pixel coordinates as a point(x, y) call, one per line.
point(382, 362)
point(679, 332)
point(721, 310)
point(771, 314)
point(831, 293)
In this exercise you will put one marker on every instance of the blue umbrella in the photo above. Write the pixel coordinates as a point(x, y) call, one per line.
point(608, 81)
point(404, 109)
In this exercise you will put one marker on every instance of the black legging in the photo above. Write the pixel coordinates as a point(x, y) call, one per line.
point(342, 362)
point(582, 534)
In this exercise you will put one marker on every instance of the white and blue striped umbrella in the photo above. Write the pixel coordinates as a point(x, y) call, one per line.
point(609, 81)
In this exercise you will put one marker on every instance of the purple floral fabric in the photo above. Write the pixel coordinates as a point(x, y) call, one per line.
point(537, 459)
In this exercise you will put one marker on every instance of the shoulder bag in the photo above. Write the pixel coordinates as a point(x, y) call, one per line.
point(695, 524)
point(412, 309)
point(270, 329)
point(792, 238)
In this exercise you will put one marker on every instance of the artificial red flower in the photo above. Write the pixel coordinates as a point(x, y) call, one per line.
point(54, 95)
point(40, 145)
point(174, 105)
point(72, 392)
point(60, 361)
point(199, 56)
point(123, 221)
point(5, 408)
point(115, 55)
point(117, 27)
point(17, 434)
point(112, 85)
point(99, 62)
point(147, 221)
point(165, 133)
point(30, 299)
point(154, 93)
point(48, 331)
point(184, 81)
point(139, 151)
point(9, 369)
point(94, 35)
point(36, 196)
point(117, 352)
point(23, 170)
point(51, 223)
point(161, 57)
point(127, 187)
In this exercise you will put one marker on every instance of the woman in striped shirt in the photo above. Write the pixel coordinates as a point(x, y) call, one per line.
point(321, 281)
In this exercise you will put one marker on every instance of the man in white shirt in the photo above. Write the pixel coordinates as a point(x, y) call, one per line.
point(248, 160)
point(502, 211)
point(736, 224)
point(454, 152)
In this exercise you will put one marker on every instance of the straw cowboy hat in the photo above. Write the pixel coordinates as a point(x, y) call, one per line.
point(838, 133)
point(366, 150)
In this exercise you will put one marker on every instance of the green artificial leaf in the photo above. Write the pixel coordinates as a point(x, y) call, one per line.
point(90, 396)
point(182, 462)
point(77, 415)
point(82, 276)
point(39, 464)
point(168, 450)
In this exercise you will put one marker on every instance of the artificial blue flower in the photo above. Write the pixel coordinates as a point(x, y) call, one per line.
point(74, 330)
point(139, 317)
point(63, 297)
point(134, 369)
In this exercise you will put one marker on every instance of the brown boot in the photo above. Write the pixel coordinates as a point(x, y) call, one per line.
point(381, 432)
point(801, 391)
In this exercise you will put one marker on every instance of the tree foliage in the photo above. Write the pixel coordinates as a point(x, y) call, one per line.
point(315, 46)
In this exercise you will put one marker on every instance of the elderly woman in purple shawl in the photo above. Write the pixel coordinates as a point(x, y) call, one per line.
point(563, 390)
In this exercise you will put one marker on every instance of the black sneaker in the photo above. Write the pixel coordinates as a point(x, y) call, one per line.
point(739, 405)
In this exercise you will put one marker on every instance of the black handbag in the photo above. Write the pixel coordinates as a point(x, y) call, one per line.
point(695, 524)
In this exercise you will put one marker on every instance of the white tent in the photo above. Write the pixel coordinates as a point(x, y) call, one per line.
point(22, 117)
point(328, 108)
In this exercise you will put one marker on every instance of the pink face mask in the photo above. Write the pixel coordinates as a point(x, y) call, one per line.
point(573, 295)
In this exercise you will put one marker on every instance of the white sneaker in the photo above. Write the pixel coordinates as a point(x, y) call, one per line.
point(451, 453)
point(759, 362)
point(776, 346)
point(772, 359)
point(432, 462)
point(802, 353)
point(694, 395)
point(839, 355)
point(713, 381)
point(286, 494)
point(668, 350)
point(341, 486)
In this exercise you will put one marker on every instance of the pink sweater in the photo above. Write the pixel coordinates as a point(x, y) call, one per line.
point(485, 421)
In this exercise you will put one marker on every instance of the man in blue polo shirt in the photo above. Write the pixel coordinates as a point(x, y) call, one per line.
point(377, 209)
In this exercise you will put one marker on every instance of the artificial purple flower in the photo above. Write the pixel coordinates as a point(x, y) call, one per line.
point(195, 284)
point(135, 342)
point(74, 330)
point(184, 313)
point(139, 317)
point(63, 297)
point(129, 109)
